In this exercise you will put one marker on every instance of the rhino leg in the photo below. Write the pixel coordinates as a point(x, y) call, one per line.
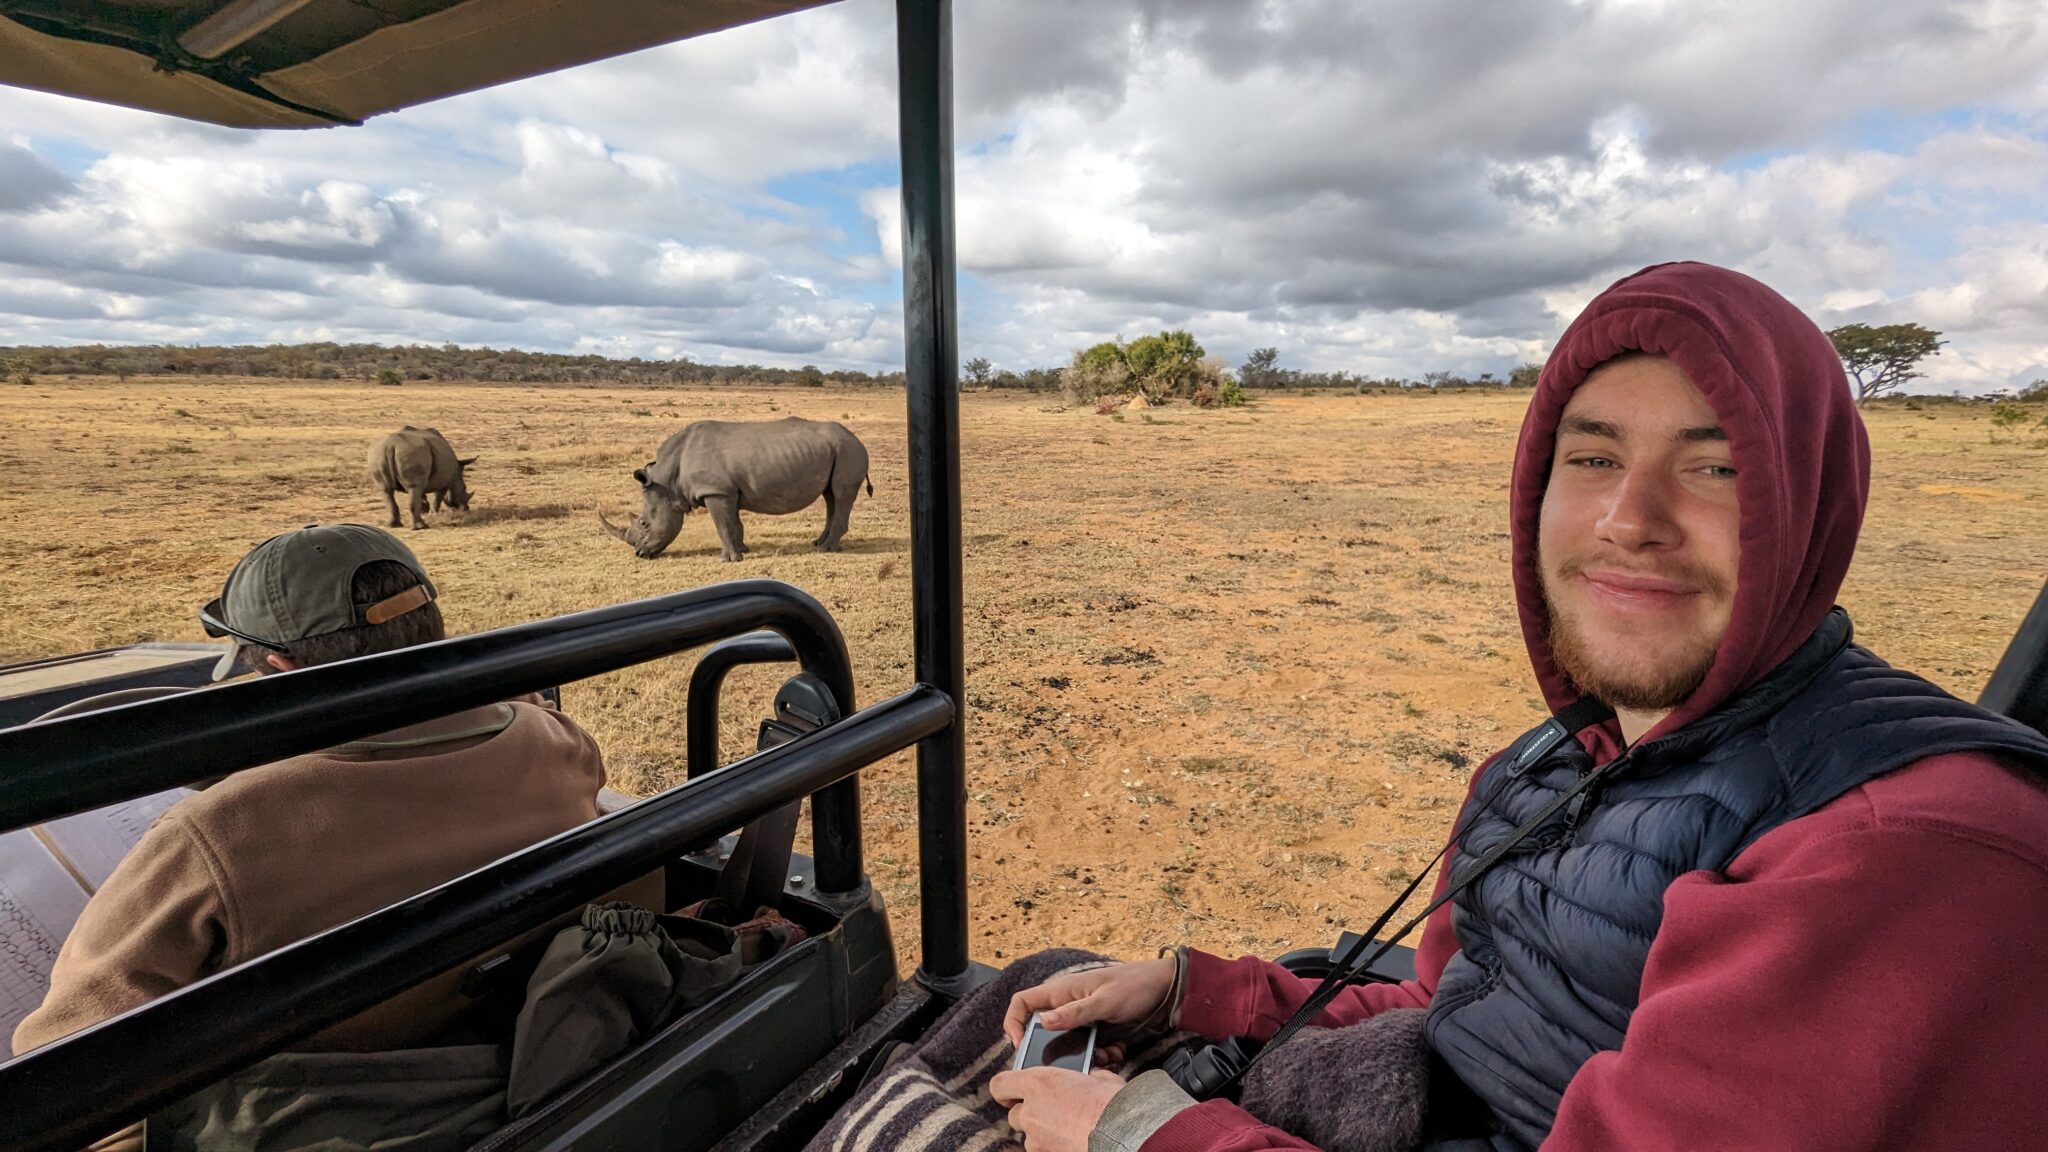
point(824, 539)
point(419, 508)
point(838, 515)
point(725, 516)
point(391, 502)
point(838, 511)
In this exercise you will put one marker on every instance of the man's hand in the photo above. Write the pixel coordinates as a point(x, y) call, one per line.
point(1054, 1109)
point(1117, 994)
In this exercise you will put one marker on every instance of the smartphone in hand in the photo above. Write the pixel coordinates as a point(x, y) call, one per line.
point(1073, 1049)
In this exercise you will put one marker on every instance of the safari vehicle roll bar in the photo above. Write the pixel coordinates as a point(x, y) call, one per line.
point(75, 765)
point(179, 1043)
point(2019, 685)
point(707, 684)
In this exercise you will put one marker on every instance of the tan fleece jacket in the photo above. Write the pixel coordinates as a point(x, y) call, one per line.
point(275, 854)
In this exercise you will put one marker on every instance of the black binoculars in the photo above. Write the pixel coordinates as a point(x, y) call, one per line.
point(1213, 1071)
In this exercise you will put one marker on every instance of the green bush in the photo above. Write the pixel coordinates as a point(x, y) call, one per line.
point(1168, 362)
point(1102, 357)
point(1087, 378)
point(390, 378)
point(2009, 417)
point(1167, 366)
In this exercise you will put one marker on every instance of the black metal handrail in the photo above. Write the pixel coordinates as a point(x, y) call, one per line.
point(707, 679)
point(833, 811)
point(96, 1081)
point(84, 762)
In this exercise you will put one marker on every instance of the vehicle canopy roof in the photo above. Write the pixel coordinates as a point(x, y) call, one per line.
point(316, 63)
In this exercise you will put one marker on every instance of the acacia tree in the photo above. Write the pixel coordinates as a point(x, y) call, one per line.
point(978, 371)
point(1171, 364)
point(1880, 359)
point(1168, 364)
point(1259, 369)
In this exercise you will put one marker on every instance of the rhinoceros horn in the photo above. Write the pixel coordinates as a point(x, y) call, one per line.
point(612, 528)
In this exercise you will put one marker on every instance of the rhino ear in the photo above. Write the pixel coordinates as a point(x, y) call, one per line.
point(468, 462)
point(640, 474)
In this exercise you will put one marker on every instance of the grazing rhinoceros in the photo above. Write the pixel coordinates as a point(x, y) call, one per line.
point(419, 461)
point(726, 467)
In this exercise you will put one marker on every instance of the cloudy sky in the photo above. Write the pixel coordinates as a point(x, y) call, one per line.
point(1385, 187)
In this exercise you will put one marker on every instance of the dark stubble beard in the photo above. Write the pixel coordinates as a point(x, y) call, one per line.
point(1647, 688)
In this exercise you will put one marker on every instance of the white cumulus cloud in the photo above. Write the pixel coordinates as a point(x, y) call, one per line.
point(1387, 189)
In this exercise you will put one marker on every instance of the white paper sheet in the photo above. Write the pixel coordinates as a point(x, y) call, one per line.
point(95, 841)
point(39, 902)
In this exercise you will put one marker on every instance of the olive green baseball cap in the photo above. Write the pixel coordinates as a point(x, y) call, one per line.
point(298, 584)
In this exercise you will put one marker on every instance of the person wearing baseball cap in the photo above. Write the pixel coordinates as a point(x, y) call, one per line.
point(273, 854)
point(297, 592)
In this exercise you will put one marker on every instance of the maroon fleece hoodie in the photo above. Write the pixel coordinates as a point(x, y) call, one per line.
point(1871, 976)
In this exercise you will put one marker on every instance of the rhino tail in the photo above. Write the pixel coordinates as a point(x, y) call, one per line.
point(871, 485)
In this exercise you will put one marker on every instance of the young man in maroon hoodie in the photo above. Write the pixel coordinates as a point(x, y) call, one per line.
point(1803, 905)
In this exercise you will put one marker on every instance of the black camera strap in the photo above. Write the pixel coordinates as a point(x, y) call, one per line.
point(1537, 745)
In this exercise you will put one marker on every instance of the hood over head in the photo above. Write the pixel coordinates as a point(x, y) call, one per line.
point(1802, 458)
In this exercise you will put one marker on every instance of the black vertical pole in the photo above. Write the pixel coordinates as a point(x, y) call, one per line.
point(924, 70)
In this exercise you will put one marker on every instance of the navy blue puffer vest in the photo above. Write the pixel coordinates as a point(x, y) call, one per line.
point(1553, 940)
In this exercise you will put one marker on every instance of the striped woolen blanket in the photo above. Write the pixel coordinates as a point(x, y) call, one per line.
point(935, 1098)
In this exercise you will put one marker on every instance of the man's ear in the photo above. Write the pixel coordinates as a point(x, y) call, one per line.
point(280, 661)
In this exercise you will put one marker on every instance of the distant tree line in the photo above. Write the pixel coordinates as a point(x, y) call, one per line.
point(1167, 365)
point(1173, 365)
point(1261, 370)
point(1170, 364)
point(410, 362)
point(981, 373)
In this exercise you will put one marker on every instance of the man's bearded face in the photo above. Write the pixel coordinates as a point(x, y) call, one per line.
point(1639, 536)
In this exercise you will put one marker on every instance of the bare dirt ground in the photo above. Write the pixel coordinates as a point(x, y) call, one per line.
point(1229, 671)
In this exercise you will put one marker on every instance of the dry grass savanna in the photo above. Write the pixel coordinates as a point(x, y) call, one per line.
point(1228, 670)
